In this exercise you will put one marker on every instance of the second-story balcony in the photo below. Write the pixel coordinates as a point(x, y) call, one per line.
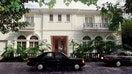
point(29, 28)
point(95, 27)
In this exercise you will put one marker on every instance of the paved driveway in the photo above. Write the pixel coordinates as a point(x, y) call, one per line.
point(89, 68)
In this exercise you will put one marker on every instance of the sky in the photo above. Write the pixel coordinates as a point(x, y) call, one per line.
point(73, 5)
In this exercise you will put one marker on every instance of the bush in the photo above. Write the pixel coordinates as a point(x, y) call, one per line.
point(21, 54)
point(99, 45)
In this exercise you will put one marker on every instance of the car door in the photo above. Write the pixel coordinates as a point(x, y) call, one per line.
point(62, 60)
point(124, 57)
point(49, 59)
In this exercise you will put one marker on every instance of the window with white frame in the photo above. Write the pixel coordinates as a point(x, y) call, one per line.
point(51, 17)
point(105, 21)
point(21, 41)
point(89, 21)
point(86, 39)
point(68, 17)
point(33, 41)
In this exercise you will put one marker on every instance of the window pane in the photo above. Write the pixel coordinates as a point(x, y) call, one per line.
point(34, 38)
point(19, 43)
point(86, 38)
point(110, 38)
point(36, 43)
point(21, 38)
point(68, 17)
point(24, 44)
point(51, 17)
point(31, 44)
point(22, 41)
point(59, 17)
point(90, 20)
point(30, 19)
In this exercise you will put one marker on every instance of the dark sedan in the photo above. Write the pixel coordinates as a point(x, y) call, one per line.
point(118, 58)
point(55, 59)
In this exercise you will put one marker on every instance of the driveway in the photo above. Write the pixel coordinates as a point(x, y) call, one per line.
point(89, 68)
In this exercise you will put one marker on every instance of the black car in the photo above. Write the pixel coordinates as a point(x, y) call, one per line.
point(55, 59)
point(118, 58)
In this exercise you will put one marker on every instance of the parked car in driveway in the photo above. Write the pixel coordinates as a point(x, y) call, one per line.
point(118, 58)
point(55, 59)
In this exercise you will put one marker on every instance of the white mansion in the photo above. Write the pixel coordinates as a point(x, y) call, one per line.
point(59, 27)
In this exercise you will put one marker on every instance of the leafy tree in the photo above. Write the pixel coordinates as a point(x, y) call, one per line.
point(11, 11)
point(114, 13)
point(127, 33)
point(128, 6)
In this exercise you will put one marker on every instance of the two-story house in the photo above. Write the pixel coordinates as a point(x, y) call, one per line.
point(59, 27)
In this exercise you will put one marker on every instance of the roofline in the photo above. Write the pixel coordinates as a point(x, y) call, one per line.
point(61, 10)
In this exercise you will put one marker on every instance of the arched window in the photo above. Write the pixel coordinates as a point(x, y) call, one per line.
point(86, 38)
point(110, 38)
point(99, 38)
point(33, 41)
point(21, 40)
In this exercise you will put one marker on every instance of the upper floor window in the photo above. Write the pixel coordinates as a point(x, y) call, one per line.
point(51, 17)
point(105, 21)
point(59, 17)
point(68, 17)
point(30, 19)
point(89, 19)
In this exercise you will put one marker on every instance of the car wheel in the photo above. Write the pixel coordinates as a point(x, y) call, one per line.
point(77, 67)
point(118, 63)
point(40, 66)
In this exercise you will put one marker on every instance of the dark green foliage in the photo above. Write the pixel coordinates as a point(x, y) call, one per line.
point(11, 11)
point(21, 54)
point(9, 52)
point(114, 12)
point(128, 6)
point(99, 45)
point(127, 34)
point(33, 51)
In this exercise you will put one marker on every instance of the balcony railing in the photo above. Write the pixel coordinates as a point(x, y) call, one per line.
point(28, 28)
point(95, 26)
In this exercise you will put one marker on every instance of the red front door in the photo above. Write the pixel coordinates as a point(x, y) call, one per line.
point(59, 44)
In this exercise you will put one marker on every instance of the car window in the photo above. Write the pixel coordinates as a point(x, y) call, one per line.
point(122, 54)
point(48, 55)
point(59, 56)
point(113, 53)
